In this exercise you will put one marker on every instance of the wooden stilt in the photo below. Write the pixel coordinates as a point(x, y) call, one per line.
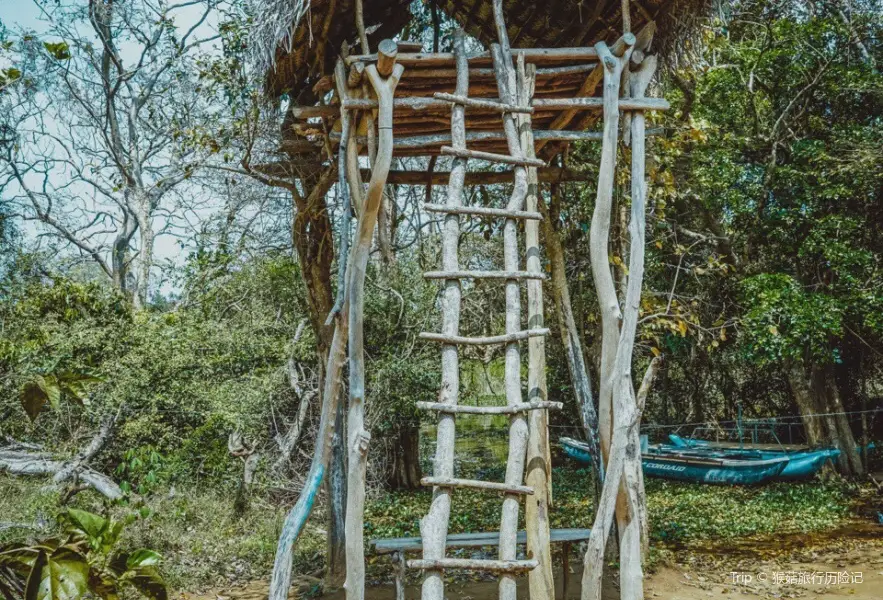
point(539, 461)
point(357, 436)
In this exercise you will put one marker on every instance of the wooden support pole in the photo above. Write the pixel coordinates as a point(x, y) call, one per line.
point(434, 526)
point(599, 237)
point(354, 79)
point(386, 57)
point(539, 460)
point(357, 436)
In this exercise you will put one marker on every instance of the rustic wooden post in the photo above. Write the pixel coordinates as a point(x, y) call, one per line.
point(357, 436)
point(434, 526)
point(536, 511)
point(401, 574)
point(633, 533)
point(610, 318)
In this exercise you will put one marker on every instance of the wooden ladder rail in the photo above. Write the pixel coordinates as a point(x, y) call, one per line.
point(434, 526)
point(539, 467)
point(518, 429)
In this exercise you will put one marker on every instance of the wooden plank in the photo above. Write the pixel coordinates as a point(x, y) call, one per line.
point(472, 540)
point(538, 56)
point(518, 275)
point(469, 564)
point(481, 103)
point(443, 139)
point(490, 410)
point(484, 211)
point(493, 486)
point(508, 159)
point(482, 341)
point(547, 175)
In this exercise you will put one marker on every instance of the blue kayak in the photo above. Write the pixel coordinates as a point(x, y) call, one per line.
point(695, 466)
point(802, 464)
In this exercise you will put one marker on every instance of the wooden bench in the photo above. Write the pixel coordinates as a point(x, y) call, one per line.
point(399, 547)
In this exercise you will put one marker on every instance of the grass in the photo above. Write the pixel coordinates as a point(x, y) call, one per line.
point(205, 545)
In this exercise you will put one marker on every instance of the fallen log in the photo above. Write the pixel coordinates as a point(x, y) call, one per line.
point(40, 463)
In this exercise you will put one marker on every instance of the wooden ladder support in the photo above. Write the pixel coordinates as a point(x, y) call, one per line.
point(484, 211)
point(481, 103)
point(468, 564)
point(490, 410)
point(507, 338)
point(475, 484)
point(517, 275)
point(508, 159)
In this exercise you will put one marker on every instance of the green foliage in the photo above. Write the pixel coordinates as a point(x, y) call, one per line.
point(85, 559)
point(782, 321)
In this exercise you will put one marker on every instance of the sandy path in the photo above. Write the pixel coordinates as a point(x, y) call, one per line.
point(791, 567)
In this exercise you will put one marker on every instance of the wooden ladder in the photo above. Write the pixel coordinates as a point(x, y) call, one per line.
point(515, 93)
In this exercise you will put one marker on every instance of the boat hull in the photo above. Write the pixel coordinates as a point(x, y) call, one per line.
point(695, 467)
point(801, 465)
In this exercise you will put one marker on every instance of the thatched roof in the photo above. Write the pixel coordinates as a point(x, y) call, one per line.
point(297, 41)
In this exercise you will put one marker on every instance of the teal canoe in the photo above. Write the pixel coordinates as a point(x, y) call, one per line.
point(699, 467)
point(802, 464)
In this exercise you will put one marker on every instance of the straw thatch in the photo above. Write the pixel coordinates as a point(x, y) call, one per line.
point(297, 41)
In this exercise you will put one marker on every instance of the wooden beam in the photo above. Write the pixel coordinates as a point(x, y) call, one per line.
point(493, 157)
point(547, 175)
point(538, 56)
point(507, 338)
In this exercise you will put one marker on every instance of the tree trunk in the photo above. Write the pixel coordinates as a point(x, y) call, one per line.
point(570, 336)
point(404, 458)
point(314, 245)
point(821, 409)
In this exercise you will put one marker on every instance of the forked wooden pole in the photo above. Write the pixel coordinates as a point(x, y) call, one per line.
point(434, 526)
point(611, 316)
point(357, 436)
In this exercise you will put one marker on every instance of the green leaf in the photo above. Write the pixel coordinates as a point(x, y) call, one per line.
point(63, 575)
point(91, 524)
point(32, 398)
point(58, 50)
point(149, 582)
point(143, 558)
point(50, 387)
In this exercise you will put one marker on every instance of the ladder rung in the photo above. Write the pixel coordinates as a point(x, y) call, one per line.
point(476, 484)
point(490, 156)
point(487, 212)
point(483, 341)
point(483, 103)
point(468, 564)
point(465, 409)
point(483, 275)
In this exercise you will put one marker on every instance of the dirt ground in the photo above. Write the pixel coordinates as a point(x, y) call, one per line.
point(845, 563)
